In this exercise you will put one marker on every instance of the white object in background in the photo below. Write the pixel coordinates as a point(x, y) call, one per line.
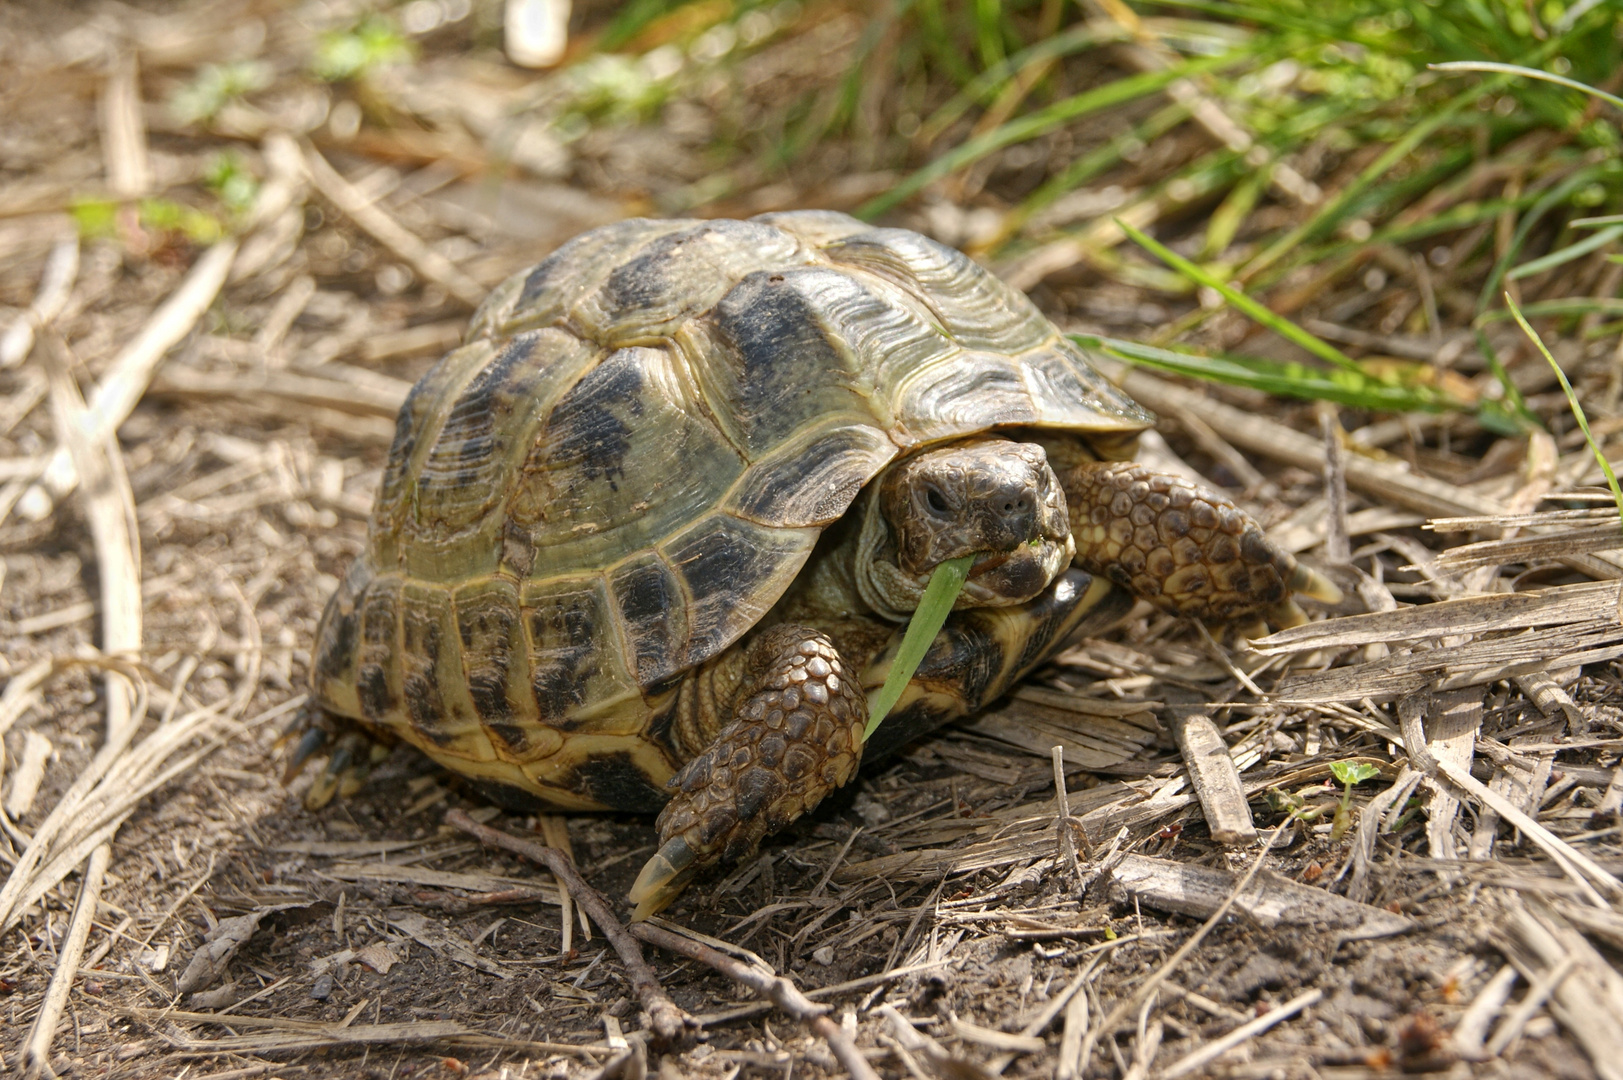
point(537, 31)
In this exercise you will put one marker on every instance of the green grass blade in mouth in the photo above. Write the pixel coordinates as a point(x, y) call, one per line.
point(945, 584)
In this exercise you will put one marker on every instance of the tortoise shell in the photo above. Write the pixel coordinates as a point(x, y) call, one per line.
point(631, 458)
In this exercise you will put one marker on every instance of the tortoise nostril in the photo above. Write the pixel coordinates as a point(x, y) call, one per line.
point(1013, 517)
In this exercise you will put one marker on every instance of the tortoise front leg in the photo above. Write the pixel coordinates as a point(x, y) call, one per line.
point(795, 736)
point(1186, 549)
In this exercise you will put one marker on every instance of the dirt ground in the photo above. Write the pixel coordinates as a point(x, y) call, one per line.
point(389, 945)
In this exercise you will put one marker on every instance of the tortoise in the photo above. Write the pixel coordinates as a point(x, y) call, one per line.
point(647, 538)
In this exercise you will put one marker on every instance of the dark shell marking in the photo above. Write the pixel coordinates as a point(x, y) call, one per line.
point(630, 461)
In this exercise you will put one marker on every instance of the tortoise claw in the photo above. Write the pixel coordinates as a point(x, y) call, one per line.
point(1310, 582)
point(326, 786)
point(1288, 613)
point(310, 743)
point(347, 769)
point(663, 878)
point(1249, 630)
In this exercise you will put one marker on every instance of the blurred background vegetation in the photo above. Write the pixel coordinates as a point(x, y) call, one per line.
point(1304, 154)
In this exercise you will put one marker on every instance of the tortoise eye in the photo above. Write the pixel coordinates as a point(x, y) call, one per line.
point(936, 501)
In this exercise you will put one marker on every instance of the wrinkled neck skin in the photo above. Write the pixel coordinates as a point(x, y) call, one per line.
point(880, 581)
point(1011, 567)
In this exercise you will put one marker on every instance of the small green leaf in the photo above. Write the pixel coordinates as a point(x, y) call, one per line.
point(1283, 802)
point(1354, 772)
point(228, 177)
point(216, 86)
point(613, 90)
point(934, 606)
point(352, 54)
point(96, 218)
point(1566, 254)
point(166, 215)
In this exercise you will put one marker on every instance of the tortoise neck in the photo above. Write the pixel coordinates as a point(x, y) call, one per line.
point(884, 589)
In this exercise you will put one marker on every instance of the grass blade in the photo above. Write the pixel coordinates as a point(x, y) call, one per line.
point(1572, 402)
point(934, 607)
point(989, 31)
point(1566, 305)
point(1566, 254)
point(1530, 73)
point(1277, 323)
point(1356, 389)
point(1041, 122)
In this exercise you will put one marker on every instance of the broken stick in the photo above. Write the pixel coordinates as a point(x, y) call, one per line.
point(668, 1020)
point(1212, 772)
point(783, 993)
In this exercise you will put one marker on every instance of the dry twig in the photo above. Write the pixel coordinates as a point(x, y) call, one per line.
point(782, 992)
point(61, 268)
point(1212, 772)
point(115, 396)
point(110, 509)
point(669, 1022)
point(284, 1033)
point(37, 1051)
point(1470, 1034)
point(123, 134)
point(1066, 825)
point(1583, 870)
point(390, 233)
point(1271, 900)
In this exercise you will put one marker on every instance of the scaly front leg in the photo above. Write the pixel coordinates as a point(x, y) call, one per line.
point(1186, 549)
point(795, 736)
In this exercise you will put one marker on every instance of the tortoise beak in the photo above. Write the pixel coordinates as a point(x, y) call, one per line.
point(999, 578)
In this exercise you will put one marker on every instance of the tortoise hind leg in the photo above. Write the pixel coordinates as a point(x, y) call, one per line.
point(351, 753)
point(1186, 549)
point(795, 736)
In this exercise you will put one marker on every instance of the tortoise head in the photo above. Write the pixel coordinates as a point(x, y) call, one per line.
point(992, 498)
